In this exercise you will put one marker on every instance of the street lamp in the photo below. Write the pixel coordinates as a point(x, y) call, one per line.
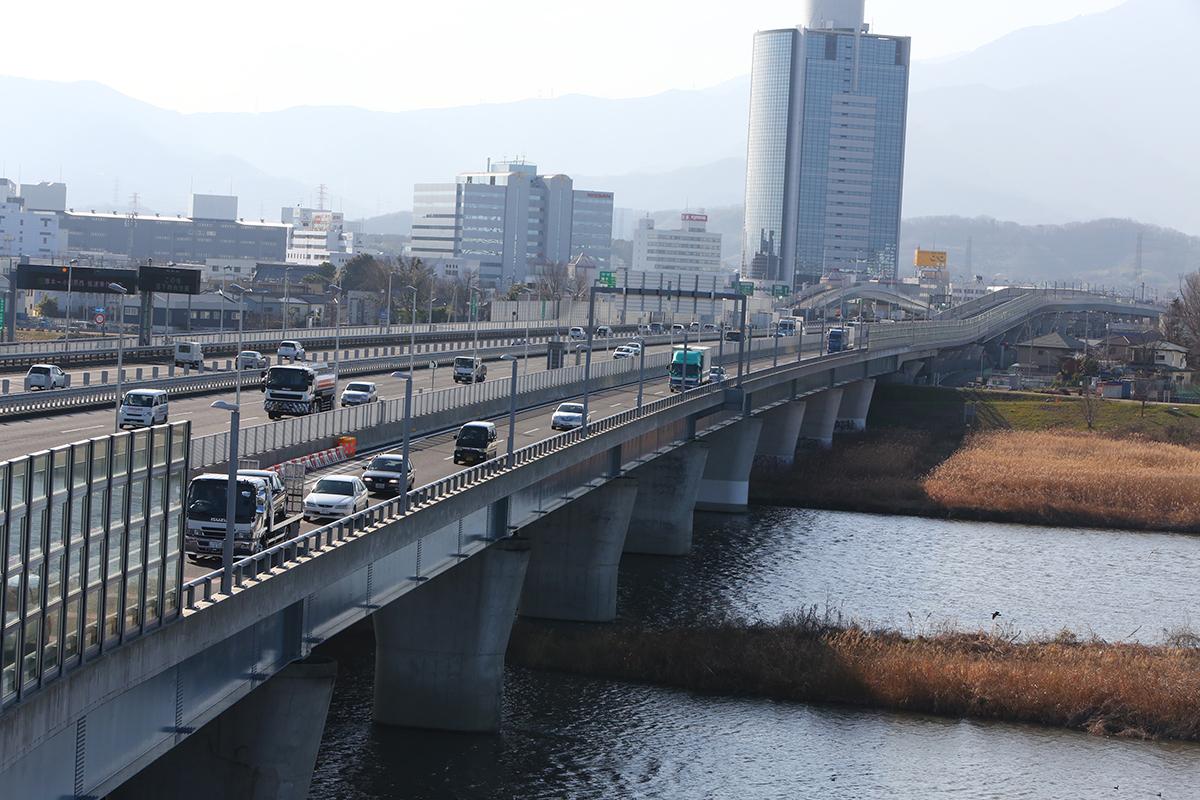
point(118, 289)
point(641, 372)
point(388, 307)
point(412, 329)
point(235, 414)
point(242, 292)
point(337, 332)
point(475, 314)
point(512, 407)
point(408, 382)
point(430, 318)
point(70, 270)
point(528, 291)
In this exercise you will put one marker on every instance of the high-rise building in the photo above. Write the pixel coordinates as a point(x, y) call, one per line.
point(825, 161)
point(507, 220)
point(689, 247)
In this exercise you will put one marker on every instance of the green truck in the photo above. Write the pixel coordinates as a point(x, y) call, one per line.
point(689, 367)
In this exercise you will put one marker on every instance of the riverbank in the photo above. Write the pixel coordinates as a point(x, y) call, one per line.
point(1125, 690)
point(1005, 457)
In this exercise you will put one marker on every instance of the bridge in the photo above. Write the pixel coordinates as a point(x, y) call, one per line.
point(145, 682)
point(836, 298)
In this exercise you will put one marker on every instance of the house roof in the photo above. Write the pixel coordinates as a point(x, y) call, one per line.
point(1055, 341)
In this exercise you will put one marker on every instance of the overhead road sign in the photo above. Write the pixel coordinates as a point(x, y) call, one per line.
point(85, 280)
point(169, 280)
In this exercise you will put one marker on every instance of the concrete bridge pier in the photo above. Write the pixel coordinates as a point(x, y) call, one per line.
point(661, 524)
point(576, 552)
point(821, 417)
point(262, 748)
point(781, 434)
point(856, 403)
point(726, 482)
point(439, 650)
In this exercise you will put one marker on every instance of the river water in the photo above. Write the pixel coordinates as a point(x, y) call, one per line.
point(566, 736)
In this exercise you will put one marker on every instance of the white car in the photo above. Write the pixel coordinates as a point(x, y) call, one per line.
point(335, 497)
point(290, 349)
point(251, 359)
point(636, 347)
point(624, 351)
point(568, 416)
point(45, 376)
point(577, 333)
point(359, 393)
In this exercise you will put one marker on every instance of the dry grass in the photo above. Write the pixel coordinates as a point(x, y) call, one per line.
point(1070, 477)
point(1112, 689)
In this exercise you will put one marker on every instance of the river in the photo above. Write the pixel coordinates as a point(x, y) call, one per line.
point(566, 736)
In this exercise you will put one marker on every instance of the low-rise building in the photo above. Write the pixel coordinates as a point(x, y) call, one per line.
point(27, 232)
point(1046, 353)
point(688, 248)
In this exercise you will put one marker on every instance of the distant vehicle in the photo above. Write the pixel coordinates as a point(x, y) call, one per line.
point(716, 374)
point(518, 342)
point(677, 329)
point(141, 408)
point(291, 350)
point(709, 327)
point(468, 369)
point(251, 359)
point(189, 354)
point(643, 330)
point(577, 333)
point(604, 332)
point(568, 416)
point(257, 522)
point(694, 327)
point(624, 351)
point(358, 393)
point(787, 326)
point(836, 340)
point(275, 487)
point(656, 329)
point(297, 389)
point(335, 497)
point(635, 346)
point(689, 368)
point(45, 376)
point(475, 442)
point(385, 474)
point(733, 335)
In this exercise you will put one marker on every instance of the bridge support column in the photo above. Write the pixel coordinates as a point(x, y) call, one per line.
point(726, 482)
point(661, 524)
point(821, 417)
point(781, 434)
point(263, 748)
point(439, 651)
point(572, 571)
point(856, 403)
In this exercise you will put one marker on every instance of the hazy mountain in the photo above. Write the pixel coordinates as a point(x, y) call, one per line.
point(398, 223)
point(1087, 118)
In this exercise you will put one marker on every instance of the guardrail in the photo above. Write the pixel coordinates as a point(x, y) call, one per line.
point(273, 436)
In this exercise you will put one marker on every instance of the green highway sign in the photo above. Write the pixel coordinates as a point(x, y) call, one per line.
point(608, 279)
point(3, 309)
point(781, 290)
point(746, 288)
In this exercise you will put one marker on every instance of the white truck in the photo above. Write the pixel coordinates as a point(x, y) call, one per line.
point(259, 518)
point(689, 367)
point(298, 389)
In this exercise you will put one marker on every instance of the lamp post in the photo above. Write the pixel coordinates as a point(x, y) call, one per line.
point(408, 382)
point(475, 315)
point(412, 330)
point(528, 291)
point(641, 373)
point(119, 290)
point(337, 332)
point(429, 318)
point(235, 414)
point(242, 292)
point(512, 407)
point(388, 307)
point(70, 272)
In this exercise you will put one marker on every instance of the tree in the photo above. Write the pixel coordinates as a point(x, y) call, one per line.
point(47, 307)
point(1184, 312)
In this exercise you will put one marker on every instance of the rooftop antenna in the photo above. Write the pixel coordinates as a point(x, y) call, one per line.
point(322, 196)
point(1137, 262)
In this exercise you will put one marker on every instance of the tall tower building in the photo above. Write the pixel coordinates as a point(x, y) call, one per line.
point(825, 161)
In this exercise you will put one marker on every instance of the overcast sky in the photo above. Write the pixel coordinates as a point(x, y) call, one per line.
point(244, 56)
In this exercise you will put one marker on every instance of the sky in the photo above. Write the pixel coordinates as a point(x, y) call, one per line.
point(256, 56)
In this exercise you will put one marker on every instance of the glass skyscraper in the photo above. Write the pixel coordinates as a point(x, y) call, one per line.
point(825, 161)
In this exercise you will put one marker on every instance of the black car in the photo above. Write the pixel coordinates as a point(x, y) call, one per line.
point(475, 442)
point(386, 474)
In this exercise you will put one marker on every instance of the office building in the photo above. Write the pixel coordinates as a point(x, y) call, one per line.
point(317, 236)
point(506, 221)
point(26, 232)
point(825, 160)
point(690, 247)
point(212, 232)
point(44, 196)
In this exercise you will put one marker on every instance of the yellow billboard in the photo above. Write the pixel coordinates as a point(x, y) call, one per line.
point(930, 258)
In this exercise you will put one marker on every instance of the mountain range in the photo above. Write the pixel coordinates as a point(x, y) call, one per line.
point(1083, 119)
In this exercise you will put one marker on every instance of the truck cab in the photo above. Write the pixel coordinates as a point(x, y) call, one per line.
point(298, 389)
point(469, 369)
point(189, 354)
point(689, 368)
point(256, 524)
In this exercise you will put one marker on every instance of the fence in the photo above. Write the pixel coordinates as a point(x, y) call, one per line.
point(92, 537)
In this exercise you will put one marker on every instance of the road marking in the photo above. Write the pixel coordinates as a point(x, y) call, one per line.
point(531, 431)
point(657, 393)
point(447, 458)
point(614, 405)
point(250, 419)
point(76, 430)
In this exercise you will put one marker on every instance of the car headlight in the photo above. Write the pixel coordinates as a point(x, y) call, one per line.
point(393, 480)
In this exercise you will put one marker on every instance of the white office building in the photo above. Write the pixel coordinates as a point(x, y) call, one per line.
point(316, 236)
point(690, 247)
point(506, 221)
point(24, 232)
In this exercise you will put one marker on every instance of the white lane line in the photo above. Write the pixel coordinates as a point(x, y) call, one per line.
point(76, 430)
point(615, 405)
point(447, 458)
point(531, 431)
point(250, 419)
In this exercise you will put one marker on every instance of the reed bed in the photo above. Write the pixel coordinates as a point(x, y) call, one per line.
point(1066, 477)
point(1128, 690)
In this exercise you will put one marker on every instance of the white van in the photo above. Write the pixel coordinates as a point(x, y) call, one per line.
point(189, 354)
point(577, 333)
point(141, 408)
